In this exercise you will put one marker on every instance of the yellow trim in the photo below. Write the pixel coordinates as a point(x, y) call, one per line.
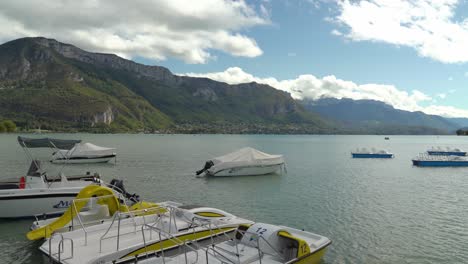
point(303, 248)
point(313, 258)
point(209, 214)
point(167, 243)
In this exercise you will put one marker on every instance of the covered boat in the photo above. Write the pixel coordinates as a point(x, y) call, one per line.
point(243, 162)
point(84, 153)
point(446, 152)
point(364, 153)
point(424, 160)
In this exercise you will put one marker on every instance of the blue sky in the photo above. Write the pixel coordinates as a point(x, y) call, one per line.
point(299, 40)
point(410, 54)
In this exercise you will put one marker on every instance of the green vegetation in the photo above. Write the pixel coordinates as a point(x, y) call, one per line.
point(7, 126)
point(44, 88)
point(461, 132)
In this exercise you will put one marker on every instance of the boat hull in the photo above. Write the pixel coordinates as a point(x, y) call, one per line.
point(82, 160)
point(439, 163)
point(371, 156)
point(29, 204)
point(246, 171)
point(314, 258)
point(446, 153)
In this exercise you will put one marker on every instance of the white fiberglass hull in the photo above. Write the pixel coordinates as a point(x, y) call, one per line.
point(246, 171)
point(83, 160)
point(27, 203)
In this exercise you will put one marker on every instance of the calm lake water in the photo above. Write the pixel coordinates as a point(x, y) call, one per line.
point(375, 211)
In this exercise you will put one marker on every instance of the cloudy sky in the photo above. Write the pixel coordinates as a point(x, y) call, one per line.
point(410, 54)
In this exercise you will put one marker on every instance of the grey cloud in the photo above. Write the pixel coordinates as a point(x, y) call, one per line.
point(155, 29)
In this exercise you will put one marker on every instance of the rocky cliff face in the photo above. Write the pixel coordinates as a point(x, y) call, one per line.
point(108, 60)
point(105, 117)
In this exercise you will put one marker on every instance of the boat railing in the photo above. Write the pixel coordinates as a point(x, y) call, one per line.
point(427, 157)
point(219, 256)
point(118, 216)
point(169, 237)
point(217, 251)
point(257, 238)
point(60, 248)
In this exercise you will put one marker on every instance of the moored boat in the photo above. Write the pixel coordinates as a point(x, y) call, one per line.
point(84, 153)
point(243, 162)
point(133, 235)
point(446, 152)
point(38, 192)
point(440, 161)
point(364, 153)
point(257, 243)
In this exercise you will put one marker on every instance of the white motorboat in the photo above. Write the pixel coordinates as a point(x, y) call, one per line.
point(243, 162)
point(129, 236)
point(84, 153)
point(258, 243)
point(38, 193)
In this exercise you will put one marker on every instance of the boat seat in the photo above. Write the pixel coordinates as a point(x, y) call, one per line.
point(247, 254)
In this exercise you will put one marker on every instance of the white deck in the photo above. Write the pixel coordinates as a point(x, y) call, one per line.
point(130, 238)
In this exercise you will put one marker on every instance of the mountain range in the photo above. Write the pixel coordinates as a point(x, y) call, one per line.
point(55, 86)
point(376, 117)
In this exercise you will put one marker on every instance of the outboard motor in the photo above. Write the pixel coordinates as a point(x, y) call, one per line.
point(119, 186)
point(208, 165)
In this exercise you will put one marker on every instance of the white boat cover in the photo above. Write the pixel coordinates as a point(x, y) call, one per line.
point(245, 157)
point(84, 150)
point(372, 151)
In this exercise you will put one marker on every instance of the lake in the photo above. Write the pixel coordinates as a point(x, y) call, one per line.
point(374, 211)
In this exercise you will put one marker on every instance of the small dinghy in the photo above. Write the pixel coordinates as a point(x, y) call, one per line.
point(243, 162)
point(446, 152)
point(364, 153)
point(84, 153)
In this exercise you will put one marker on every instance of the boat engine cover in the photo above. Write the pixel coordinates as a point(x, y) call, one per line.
point(267, 232)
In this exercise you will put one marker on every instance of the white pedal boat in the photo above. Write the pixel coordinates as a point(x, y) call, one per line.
point(128, 236)
point(243, 162)
point(259, 243)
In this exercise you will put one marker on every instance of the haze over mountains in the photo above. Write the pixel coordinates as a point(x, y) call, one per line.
point(51, 85)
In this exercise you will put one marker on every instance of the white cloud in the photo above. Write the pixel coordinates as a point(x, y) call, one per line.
point(442, 95)
point(154, 29)
point(311, 87)
point(427, 26)
point(450, 78)
point(336, 32)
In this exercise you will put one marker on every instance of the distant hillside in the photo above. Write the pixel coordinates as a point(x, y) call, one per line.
point(57, 86)
point(460, 121)
point(378, 117)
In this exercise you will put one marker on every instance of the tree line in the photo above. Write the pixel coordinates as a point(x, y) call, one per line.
point(7, 126)
point(461, 132)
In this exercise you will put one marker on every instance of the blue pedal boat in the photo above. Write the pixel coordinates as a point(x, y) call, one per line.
point(373, 154)
point(446, 152)
point(440, 161)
